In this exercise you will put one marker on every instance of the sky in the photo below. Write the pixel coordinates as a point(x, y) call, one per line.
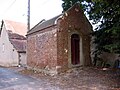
point(16, 10)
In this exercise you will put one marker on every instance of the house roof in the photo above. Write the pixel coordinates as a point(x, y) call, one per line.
point(44, 24)
point(18, 41)
point(20, 45)
point(15, 36)
point(16, 27)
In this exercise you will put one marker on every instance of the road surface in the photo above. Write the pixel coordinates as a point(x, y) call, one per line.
point(11, 80)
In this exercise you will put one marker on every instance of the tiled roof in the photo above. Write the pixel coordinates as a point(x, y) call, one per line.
point(18, 41)
point(20, 45)
point(15, 36)
point(16, 27)
point(44, 24)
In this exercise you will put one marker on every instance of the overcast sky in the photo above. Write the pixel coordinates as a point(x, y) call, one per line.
point(16, 10)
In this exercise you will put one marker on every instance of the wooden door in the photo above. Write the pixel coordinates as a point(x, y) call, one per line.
point(75, 48)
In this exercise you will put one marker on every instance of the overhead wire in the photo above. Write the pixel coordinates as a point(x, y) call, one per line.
point(10, 5)
point(8, 8)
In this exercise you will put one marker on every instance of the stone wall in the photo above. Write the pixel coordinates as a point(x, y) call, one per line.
point(51, 46)
point(43, 45)
point(73, 22)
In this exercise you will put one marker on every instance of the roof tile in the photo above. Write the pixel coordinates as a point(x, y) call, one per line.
point(16, 27)
point(44, 24)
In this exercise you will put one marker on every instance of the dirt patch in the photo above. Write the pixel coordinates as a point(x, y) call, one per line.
point(83, 78)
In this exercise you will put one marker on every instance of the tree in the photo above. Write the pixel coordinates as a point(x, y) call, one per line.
point(107, 34)
point(68, 3)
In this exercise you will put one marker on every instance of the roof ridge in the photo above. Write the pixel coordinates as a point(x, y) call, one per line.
point(43, 20)
point(16, 27)
point(44, 24)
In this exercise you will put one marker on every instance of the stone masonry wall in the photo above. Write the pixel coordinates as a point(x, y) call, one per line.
point(44, 49)
point(50, 47)
point(73, 21)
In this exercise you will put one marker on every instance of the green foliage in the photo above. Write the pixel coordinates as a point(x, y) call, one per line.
point(107, 34)
point(68, 3)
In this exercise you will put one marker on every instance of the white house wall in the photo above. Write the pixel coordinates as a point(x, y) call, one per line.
point(8, 55)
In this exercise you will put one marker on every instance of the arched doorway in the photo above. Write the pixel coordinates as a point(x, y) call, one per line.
point(75, 48)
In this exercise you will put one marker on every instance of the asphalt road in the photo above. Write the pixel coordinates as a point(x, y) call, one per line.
point(11, 80)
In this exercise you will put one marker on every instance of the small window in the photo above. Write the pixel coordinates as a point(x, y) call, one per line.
point(3, 47)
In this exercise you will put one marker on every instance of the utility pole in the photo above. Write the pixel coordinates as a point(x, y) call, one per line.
point(28, 16)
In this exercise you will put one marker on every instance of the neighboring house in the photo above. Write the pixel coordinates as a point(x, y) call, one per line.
point(60, 43)
point(12, 43)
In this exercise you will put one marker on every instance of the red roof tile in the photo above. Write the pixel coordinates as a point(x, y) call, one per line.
point(16, 27)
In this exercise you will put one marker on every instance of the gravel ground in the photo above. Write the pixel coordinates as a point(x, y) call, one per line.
point(82, 78)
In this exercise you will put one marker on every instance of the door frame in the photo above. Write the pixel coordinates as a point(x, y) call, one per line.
point(80, 49)
point(75, 49)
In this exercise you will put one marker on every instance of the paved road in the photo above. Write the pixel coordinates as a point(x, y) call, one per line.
point(10, 80)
